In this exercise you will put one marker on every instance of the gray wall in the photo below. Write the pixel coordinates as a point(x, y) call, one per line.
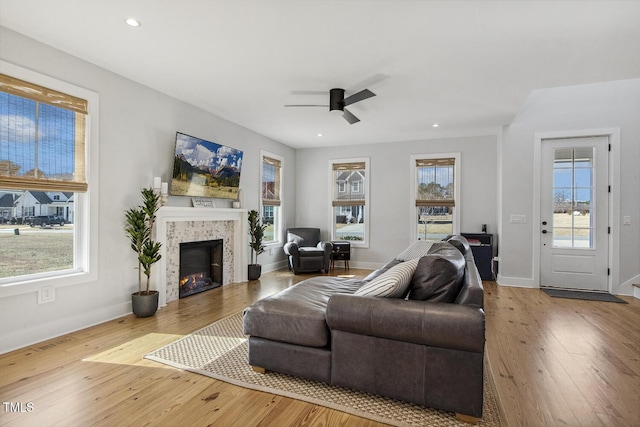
point(390, 198)
point(136, 143)
point(137, 131)
point(576, 108)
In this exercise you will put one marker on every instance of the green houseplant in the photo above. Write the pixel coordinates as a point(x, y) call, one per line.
point(139, 230)
point(256, 232)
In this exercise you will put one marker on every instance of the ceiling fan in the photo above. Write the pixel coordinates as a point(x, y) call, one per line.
point(337, 102)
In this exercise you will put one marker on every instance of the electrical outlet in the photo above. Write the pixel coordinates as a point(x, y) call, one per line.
point(518, 219)
point(46, 294)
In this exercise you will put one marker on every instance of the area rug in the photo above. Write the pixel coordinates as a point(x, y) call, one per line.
point(220, 351)
point(590, 296)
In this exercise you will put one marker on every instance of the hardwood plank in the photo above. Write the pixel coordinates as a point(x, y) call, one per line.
point(554, 362)
point(563, 362)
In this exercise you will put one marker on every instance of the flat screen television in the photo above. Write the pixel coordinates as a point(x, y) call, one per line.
point(205, 169)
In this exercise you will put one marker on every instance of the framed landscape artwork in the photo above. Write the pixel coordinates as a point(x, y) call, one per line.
point(205, 169)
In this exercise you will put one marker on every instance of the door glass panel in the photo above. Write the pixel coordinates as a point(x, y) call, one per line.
point(573, 198)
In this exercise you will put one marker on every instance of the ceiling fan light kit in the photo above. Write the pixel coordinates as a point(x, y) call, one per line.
point(337, 102)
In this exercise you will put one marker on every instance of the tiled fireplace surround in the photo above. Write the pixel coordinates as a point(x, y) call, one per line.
point(175, 225)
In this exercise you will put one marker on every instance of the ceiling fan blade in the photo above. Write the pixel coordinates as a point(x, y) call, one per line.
point(350, 117)
point(309, 92)
point(306, 105)
point(359, 96)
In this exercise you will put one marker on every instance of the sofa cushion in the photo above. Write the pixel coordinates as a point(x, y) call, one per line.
point(296, 315)
point(394, 283)
point(439, 274)
point(382, 270)
point(459, 242)
point(416, 250)
point(310, 251)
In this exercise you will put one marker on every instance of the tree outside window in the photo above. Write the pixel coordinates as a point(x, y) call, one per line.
point(435, 197)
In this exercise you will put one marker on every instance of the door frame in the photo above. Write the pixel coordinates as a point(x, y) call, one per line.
point(613, 134)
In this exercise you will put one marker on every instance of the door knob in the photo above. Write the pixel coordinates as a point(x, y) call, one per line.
point(544, 231)
point(544, 222)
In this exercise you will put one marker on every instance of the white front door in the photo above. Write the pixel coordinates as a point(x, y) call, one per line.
point(574, 207)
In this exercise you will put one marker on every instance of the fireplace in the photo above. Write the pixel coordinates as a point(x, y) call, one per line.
point(200, 266)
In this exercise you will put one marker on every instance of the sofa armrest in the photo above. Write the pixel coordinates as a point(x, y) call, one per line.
point(444, 325)
point(291, 248)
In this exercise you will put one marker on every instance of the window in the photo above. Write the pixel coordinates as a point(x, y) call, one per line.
point(271, 197)
point(573, 197)
point(436, 196)
point(349, 197)
point(43, 152)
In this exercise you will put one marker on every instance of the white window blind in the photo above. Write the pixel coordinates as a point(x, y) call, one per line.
point(270, 181)
point(348, 188)
point(42, 138)
point(435, 182)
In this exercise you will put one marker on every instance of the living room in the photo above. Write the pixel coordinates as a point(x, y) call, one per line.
point(135, 133)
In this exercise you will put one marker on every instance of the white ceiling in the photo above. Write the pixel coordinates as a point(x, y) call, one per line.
point(467, 65)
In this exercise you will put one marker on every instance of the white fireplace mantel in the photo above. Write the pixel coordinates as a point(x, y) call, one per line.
point(169, 214)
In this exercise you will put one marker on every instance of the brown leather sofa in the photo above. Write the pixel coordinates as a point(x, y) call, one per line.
point(423, 344)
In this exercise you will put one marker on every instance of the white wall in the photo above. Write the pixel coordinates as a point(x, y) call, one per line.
point(391, 203)
point(575, 108)
point(137, 136)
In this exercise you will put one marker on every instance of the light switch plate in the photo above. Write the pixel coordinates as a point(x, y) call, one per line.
point(518, 219)
point(46, 294)
point(626, 220)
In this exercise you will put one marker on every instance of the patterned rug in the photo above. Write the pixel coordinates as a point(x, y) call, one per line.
point(220, 351)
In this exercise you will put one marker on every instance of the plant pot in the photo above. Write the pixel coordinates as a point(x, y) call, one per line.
point(143, 304)
point(254, 271)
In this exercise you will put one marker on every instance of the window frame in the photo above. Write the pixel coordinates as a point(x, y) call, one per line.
point(413, 186)
point(278, 218)
point(367, 202)
point(86, 204)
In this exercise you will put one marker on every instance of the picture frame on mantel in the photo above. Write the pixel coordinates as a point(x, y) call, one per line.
point(202, 202)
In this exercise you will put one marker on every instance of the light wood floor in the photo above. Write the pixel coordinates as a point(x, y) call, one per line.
point(555, 362)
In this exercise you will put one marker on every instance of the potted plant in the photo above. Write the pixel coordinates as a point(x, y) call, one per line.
point(139, 230)
point(256, 231)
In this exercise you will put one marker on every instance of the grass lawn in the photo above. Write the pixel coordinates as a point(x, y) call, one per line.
point(35, 250)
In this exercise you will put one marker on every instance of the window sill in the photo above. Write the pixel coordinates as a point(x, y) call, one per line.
point(36, 283)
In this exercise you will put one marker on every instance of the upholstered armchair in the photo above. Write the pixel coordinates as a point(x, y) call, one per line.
point(305, 251)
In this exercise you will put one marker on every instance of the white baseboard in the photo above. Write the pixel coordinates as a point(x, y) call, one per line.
point(516, 282)
point(266, 268)
point(38, 333)
point(630, 287)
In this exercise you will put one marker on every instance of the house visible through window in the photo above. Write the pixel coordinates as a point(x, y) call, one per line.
point(42, 172)
point(350, 201)
point(435, 197)
point(271, 203)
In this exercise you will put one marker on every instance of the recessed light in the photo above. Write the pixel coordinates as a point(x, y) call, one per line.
point(435, 125)
point(319, 134)
point(132, 22)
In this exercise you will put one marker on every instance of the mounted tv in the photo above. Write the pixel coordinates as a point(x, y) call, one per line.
point(205, 169)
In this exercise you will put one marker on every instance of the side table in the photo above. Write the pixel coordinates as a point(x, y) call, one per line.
point(341, 252)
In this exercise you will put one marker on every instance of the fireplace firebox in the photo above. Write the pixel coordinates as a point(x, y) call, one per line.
point(200, 267)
